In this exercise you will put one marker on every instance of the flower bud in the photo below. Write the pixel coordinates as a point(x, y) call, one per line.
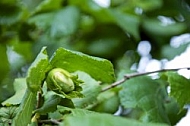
point(60, 80)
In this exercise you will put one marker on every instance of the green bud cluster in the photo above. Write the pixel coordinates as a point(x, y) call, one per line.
point(60, 80)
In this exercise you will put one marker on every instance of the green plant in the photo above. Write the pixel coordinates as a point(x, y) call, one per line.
point(52, 73)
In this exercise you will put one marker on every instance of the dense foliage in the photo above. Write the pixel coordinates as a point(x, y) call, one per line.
point(57, 57)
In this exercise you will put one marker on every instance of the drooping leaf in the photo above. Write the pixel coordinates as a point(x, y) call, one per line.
point(146, 94)
point(82, 117)
point(20, 88)
point(23, 117)
point(98, 68)
point(37, 71)
point(179, 88)
point(91, 89)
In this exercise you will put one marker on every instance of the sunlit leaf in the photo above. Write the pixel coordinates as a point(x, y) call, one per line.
point(37, 71)
point(98, 68)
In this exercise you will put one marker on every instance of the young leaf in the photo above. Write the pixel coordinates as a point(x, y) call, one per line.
point(81, 117)
point(179, 88)
point(98, 68)
point(146, 94)
point(20, 88)
point(37, 71)
point(90, 90)
point(23, 117)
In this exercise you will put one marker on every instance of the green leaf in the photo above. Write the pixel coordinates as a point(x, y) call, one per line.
point(179, 88)
point(37, 71)
point(47, 5)
point(146, 5)
point(73, 112)
point(146, 94)
point(4, 67)
point(58, 23)
point(37, 20)
point(128, 22)
point(107, 102)
point(8, 17)
point(7, 114)
point(166, 51)
point(86, 118)
point(23, 117)
point(90, 90)
point(156, 27)
point(20, 88)
point(24, 49)
point(65, 22)
point(49, 105)
point(172, 110)
point(98, 68)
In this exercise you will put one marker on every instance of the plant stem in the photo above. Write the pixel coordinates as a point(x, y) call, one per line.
point(129, 76)
point(39, 98)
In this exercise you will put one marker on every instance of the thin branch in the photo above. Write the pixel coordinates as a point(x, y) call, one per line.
point(129, 76)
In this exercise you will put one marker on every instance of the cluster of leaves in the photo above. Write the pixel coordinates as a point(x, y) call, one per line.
point(87, 27)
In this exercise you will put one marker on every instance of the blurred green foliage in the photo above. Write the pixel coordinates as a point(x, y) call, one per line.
point(112, 32)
